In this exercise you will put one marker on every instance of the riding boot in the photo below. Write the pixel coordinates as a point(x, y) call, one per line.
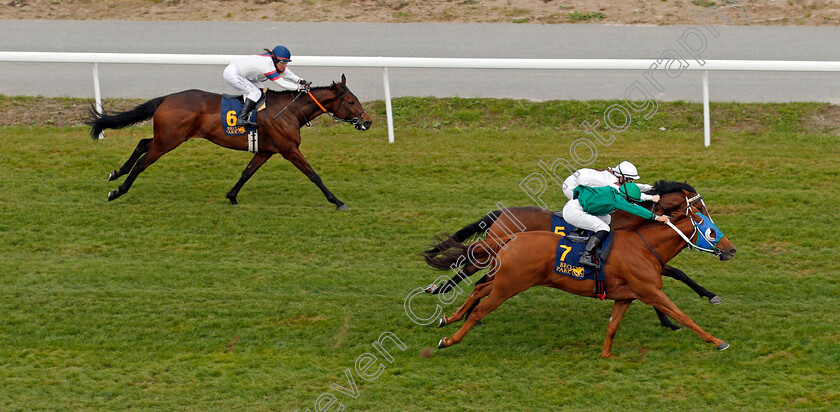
point(247, 107)
point(593, 248)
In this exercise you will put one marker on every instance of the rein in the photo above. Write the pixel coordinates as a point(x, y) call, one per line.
point(650, 247)
point(354, 120)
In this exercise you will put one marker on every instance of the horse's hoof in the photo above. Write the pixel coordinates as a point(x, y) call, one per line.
point(442, 322)
point(714, 300)
point(722, 346)
point(442, 343)
point(232, 199)
point(113, 176)
point(673, 327)
point(113, 195)
point(431, 289)
point(343, 207)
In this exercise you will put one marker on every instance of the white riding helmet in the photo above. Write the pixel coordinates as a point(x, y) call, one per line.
point(627, 170)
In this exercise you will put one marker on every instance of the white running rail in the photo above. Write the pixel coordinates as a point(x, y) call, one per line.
point(430, 63)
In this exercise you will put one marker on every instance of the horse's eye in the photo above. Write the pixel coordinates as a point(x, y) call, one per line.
point(352, 103)
point(710, 233)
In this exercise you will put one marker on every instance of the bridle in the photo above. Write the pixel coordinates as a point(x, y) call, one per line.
point(698, 227)
point(356, 120)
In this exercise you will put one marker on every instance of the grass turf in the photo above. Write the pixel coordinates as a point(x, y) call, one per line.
point(171, 298)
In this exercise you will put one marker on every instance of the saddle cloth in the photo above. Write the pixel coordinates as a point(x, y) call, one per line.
point(568, 253)
point(231, 106)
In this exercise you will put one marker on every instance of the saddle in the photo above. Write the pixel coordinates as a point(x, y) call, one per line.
point(569, 248)
point(231, 106)
point(577, 235)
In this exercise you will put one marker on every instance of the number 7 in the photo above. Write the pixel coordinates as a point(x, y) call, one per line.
point(568, 249)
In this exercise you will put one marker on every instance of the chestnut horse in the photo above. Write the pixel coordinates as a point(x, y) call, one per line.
point(532, 218)
point(632, 271)
point(181, 116)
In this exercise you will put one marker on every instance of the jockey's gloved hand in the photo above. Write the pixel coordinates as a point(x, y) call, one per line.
point(303, 88)
point(306, 82)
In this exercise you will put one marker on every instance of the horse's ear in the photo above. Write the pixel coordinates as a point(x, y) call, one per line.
point(343, 79)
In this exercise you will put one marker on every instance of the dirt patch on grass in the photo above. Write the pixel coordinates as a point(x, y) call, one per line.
point(647, 12)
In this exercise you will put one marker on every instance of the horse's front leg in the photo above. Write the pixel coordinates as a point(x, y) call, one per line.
point(659, 300)
point(249, 171)
point(618, 311)
point(297, 159)
point(677, 274)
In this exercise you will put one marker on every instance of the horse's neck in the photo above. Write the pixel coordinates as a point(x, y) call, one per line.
point(664, 240)
point(304, 109)
point(323, 96)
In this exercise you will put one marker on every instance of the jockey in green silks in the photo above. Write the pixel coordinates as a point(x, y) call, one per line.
point(591, 207)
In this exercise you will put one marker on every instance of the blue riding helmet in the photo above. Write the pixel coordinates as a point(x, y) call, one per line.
point(282, 53)
point(709, 233)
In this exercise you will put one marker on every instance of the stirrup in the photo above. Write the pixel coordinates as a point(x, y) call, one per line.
point(590, 261)
point(244, 122)
point(578, 236)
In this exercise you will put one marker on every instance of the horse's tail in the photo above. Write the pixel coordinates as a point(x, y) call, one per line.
point(471, 230)
point(101, 121)
point(456, 254)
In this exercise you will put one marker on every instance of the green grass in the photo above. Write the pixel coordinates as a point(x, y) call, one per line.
point(169, 298)
point(592, 15)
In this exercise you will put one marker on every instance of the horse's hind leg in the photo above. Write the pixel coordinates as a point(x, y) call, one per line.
point(142, 147)
point(497, 296)
point(677, 274)
point(478, 293)
point(659, 300)
point(154, 153)
point(446, 286)
point(249, 171)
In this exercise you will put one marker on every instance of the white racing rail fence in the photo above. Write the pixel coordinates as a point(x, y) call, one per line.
point(429, 63)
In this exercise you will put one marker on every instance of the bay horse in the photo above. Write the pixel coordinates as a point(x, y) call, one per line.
point(534, 218)
point(189, 114)
point(632, 270)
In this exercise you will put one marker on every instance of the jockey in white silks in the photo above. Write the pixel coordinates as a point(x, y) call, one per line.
point(574, 213)
point(246, 73)
point(625, 172)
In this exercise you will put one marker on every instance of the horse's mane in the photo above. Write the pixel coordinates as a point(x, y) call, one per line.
point(662, 187)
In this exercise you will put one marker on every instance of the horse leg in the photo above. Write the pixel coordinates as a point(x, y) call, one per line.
point(478, 293)
point(484, 279)
point(154, 153)
point(297, 159)
point(490, 303)
point(677, 274)
point(249, 171)
point(659, 300)
point(664, 321)
point(445, 287)
point(618, 311)
point(142, 147)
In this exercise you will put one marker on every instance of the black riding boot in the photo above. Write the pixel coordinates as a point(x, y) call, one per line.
point(247, 107)
point(593, 247)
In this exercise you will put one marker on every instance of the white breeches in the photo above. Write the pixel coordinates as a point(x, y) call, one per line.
point(247, 87)
point(569, 186)
point(574, 214)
